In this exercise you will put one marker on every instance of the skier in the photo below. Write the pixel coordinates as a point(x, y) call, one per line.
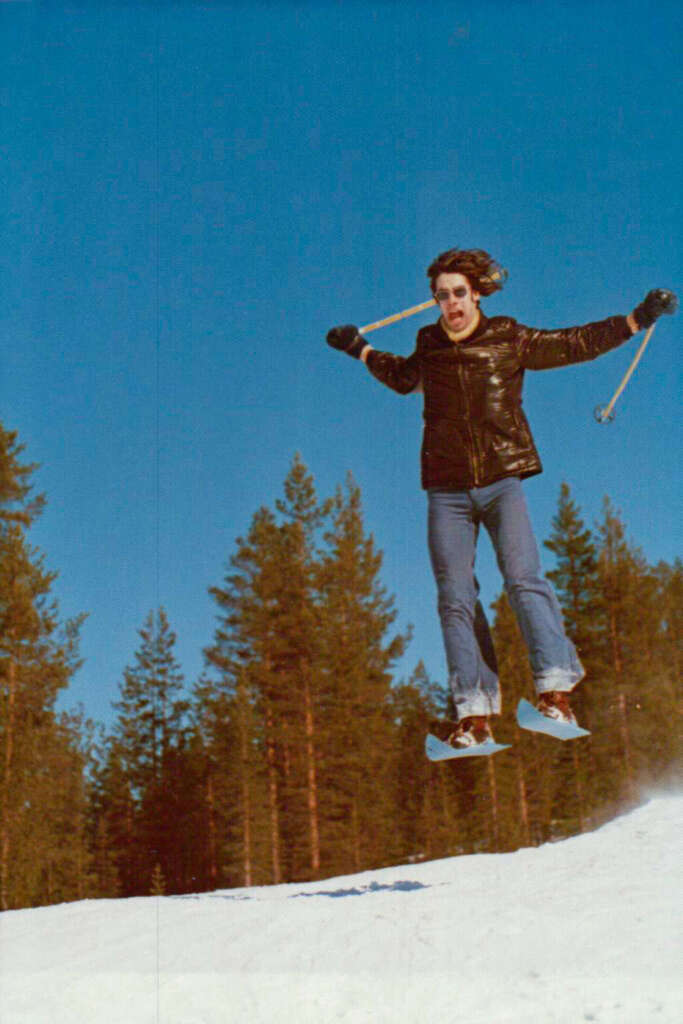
point(476, 450)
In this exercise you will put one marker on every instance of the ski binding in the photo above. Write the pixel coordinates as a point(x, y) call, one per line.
point(437, 750)
point(529, 717)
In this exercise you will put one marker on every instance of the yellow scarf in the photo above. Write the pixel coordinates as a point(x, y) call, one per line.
point(461, 335)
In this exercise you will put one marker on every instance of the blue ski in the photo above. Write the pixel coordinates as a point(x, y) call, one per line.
point(437, 750)
point(528, 717)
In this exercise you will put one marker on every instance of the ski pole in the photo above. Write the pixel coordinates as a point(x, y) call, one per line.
point(497, 275)
point(606, 414)
point(396, 316)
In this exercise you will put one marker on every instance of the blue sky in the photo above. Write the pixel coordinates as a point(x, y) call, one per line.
point(193, 194)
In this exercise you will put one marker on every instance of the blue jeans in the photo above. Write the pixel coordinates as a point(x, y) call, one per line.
point(454, 520)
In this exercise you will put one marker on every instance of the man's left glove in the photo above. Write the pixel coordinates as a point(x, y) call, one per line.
point(347, 339)
point(656, 302)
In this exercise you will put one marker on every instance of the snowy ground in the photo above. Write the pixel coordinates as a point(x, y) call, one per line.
point(582, 930)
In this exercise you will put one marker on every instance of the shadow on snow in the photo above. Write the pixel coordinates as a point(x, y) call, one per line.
point(331, 893)
point(364, 890)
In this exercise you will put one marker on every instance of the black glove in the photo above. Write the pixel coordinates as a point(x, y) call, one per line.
point(347, 339)
point(656, 302)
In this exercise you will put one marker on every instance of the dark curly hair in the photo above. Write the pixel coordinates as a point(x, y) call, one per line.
point(484, 274)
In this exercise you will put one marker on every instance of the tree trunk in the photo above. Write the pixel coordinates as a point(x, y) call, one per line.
point(246, 800)
point(446, 810)
point(579, 789)
point(621, 704)
point(211, 804)
point(523, 803)
point(494, 804)
point(81, 872)
point(6, 783)
point(626, 743)
point(311, 780)
point(272, 799)
point(356, 835)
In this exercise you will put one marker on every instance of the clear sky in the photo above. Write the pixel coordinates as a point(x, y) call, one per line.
point(193, 194)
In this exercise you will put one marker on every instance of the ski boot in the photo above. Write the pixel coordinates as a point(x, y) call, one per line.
point(555, 704)
point(471, 732)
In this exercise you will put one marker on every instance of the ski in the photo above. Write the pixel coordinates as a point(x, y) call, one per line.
point(437, 750)
point(529, 717)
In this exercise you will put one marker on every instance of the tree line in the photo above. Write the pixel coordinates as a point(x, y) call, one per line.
point(298, 753)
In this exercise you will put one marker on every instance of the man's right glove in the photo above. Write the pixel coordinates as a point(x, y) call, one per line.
point(347, 339)
point(656, 302)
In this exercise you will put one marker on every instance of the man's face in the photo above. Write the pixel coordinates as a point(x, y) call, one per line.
point(457, 300)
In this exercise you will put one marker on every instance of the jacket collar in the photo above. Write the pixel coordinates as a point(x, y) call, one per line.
point(442, 339)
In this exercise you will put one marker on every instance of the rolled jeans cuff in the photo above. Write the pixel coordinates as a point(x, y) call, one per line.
point(477, 702)
point(561, 679)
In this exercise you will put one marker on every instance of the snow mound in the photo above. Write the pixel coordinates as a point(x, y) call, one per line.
point(582, 930)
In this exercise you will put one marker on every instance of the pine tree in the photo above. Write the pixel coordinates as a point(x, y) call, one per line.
point(670, 603)
point(148, 736)
point(620, 570)
point(67, 863)
point(355, 691)
point(303, 689)
point(266, 652)
point(245, 695)
point(576, 582)
point(296, 657)
point(37, 659)
point(424, 826)
point(638, 661)
point(111, 820)
point(151, 709)
point(575, 578)
point(526, 810)
point(238, 817)
point(662, 691)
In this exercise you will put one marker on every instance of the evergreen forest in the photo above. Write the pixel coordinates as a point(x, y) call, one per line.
point(299, 753)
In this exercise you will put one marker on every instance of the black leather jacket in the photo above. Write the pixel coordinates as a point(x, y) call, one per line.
point(475, 431)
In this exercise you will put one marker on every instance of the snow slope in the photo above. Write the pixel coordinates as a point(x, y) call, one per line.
point(582, 930)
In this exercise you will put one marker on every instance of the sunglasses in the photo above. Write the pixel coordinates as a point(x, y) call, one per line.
point(458, 293)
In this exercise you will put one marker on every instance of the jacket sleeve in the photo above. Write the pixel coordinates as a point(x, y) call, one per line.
point(543, 350)
point(400, 373)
